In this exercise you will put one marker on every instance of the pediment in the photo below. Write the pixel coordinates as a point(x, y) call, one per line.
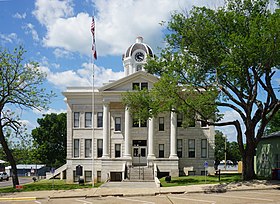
point(125, 84)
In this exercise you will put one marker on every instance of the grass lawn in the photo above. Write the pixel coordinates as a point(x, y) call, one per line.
point(192, 180)
point(42, 185)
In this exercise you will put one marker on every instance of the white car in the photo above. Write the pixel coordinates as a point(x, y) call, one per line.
point(4, 176)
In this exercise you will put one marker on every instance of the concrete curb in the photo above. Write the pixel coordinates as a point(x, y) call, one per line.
point(17, 198)
point(189, 190)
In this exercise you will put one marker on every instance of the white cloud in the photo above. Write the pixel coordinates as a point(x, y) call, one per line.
point(118, 23)
point(81, 77)
point(230, 130)
point(30, 29)
point(47, 12)
point(49, 111)
point(29, 125)
point(71, 34)
point(10, 38)
point(61, 53)
point(20, 16)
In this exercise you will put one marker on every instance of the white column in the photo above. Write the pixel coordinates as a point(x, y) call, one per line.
point(173, 128)
point(127, 148)
point(105, 130)
point(151, 154)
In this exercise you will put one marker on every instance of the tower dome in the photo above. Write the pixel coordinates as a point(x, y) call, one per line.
point(135, 56)
point(138, 45)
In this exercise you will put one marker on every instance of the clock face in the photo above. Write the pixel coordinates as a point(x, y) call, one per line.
point(139, 56)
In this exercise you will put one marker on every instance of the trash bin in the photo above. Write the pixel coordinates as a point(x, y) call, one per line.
point(81, 181)
point(168, 179)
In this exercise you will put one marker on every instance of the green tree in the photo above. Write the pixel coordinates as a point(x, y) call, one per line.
point(220, 58)
point(20, 82)
point(233, 152)
point(274, 124)
point(219, 147)
point(50, 140)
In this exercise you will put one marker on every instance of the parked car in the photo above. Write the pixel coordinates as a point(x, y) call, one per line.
point(4, 176)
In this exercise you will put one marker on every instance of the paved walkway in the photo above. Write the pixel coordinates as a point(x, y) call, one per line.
point(140, 189)
point(129, 185)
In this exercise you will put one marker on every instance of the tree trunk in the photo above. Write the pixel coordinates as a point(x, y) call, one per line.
point(248, 163)
point(9, 157)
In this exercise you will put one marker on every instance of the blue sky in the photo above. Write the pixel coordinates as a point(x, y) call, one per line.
point(57, 35)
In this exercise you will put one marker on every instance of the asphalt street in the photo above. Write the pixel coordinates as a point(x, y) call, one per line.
point(22, 180)
point(231, 197)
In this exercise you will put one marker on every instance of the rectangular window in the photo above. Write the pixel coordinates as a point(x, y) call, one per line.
point(75, 177)
point(203, 148)
point(117, 150)
point(191, 147)
point(144, 85)
point(192, 123)
point(143, 123)
point(179, 120)
point(179, 148)
point(139, 123)
point(117, 124)
point(161, 124)
point(88, 149)
point(99, 119)
point(88, 119)
point(76, 147)
point(135, 86)
point(88, 176)
point(161, 151)
point(98, 176)
point(76, 119)
point(99, 147)
point(203, 124)
point(135, 122)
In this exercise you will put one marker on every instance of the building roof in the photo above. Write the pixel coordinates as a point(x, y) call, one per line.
point(274, 134)
point(27, 166)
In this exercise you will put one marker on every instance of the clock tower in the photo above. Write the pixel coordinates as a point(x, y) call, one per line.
point(135, 56)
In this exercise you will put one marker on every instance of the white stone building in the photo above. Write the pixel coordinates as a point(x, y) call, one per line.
point(118, 144)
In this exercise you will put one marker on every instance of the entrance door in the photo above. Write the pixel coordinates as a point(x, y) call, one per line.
point(139, 155)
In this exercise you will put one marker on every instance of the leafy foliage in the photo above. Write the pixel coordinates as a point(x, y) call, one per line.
point(222, 58)
point(20, 87)
point(50, 140)
point(273, 125)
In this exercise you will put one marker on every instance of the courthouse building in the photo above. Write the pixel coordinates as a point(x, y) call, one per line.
point(103, 137)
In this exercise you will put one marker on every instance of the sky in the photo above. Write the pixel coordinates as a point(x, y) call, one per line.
point(57, 35)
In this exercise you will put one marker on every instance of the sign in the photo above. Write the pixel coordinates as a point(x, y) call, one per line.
point(19, 187)
point(205, 164)
point(79, 170)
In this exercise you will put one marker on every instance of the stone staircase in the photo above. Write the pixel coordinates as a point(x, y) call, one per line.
point(141, 173)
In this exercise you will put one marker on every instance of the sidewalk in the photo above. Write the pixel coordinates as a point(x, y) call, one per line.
point(134, 191)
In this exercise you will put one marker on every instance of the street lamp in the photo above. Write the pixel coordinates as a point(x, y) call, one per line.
point(139, 159)
point(225, 152)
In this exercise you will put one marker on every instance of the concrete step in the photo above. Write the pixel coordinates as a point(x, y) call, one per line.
point(146, 174)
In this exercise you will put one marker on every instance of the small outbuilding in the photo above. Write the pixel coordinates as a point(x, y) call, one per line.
point(26, 169)
point(268, 155)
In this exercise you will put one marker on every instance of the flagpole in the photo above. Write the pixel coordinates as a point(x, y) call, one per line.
point(92, 98)
point(93, 57)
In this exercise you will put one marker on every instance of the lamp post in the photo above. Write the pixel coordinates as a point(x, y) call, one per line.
point(139, 159)
point(225, 152)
